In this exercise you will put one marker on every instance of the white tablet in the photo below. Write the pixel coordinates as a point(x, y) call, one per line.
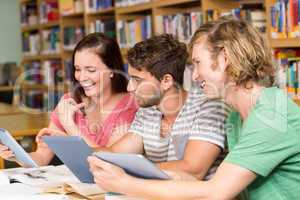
point(73, 152)
point(134, 164)
point(12, 144)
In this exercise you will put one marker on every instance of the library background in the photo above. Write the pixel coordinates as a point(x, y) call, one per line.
point(46, 31)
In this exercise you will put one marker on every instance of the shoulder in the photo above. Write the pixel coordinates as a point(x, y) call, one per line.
point(200, 102)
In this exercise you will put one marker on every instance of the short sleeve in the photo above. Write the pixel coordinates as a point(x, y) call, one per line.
point(209, 124)
point(136, 126)
point(261, 148)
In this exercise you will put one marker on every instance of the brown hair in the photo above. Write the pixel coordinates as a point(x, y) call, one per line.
point(160, 55)
point(248, 55)
point(109, 52)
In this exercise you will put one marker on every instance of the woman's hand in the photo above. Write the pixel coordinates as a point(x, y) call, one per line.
point(49, 132)
point(6, 153)
point(66, 109)
point(107, 176)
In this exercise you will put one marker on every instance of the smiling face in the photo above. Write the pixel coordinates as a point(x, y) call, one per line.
point(208, 72)
point(145, 87)
point(91, 73)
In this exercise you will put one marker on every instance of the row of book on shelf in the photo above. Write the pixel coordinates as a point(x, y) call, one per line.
point(97, 5)
point(181, 25)
point(100, 26)
point(68, 7)
point(48, 42)
point(124, 3)
point(42, 100)
point(285, 19)
point(49, 73)
point(288, 62)
point(257, 17)
point(132, 31)
point(31, 14)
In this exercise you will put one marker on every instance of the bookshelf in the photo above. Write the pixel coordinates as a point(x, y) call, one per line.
point(113, 17)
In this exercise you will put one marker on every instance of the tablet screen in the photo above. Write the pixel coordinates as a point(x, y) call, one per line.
point(13, 145)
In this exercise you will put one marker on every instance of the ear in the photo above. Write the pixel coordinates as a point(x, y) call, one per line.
point(222, 60)
point(167, 82)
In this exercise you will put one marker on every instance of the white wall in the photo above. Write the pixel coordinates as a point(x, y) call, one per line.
point(10, 32)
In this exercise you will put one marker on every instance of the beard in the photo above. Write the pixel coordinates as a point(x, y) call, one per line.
point(149, 101)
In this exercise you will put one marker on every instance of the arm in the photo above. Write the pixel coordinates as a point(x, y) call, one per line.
point(43, 154)
point(206, 141)
point(198, 158)
point(227, 183)
point(129, 143)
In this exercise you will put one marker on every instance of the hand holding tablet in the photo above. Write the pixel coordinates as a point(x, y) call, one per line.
point(20, 154)
point(134, 164)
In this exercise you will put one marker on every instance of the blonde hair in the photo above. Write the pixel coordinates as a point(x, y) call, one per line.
point(248, 54)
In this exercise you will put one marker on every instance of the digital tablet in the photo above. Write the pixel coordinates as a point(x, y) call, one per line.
point(73, 152)
point(134, 164)
point(20, 154)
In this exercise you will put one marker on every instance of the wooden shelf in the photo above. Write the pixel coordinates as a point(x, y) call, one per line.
point(24, 1)
point(285, 43)
point(159, 3)
point(31, 58)
point(102, 12)
point(50, 56)
point(73, 15)
point(32, 86)
point(49, 24)
point(251, 1)
point(6, 88)
point(26, 28)
point(134, 9)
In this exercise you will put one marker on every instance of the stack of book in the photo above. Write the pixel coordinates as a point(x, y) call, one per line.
point(124, 3)
point(50, 41)
point(52, 72)
point(285, 19)
point(72, 35)
point(97, 5)
point(29, 14)
point(181, 25)
point(100, 26)
point(31, 43)
point(256, 17)
point(32, 99)
point(68, 7)
point(288, 62)
point(33, 73)
point(131, 32)
point(48, 11)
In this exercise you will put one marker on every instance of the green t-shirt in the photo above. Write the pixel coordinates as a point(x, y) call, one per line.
point(268, 144)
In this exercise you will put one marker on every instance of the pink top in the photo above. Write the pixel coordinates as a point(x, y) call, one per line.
point(122, 114)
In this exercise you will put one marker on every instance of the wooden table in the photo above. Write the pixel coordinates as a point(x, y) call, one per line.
point(23, 124)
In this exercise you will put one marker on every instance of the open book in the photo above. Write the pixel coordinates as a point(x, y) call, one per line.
point(48, 179)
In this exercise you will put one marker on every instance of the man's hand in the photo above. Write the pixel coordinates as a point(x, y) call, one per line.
point(107, 176)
